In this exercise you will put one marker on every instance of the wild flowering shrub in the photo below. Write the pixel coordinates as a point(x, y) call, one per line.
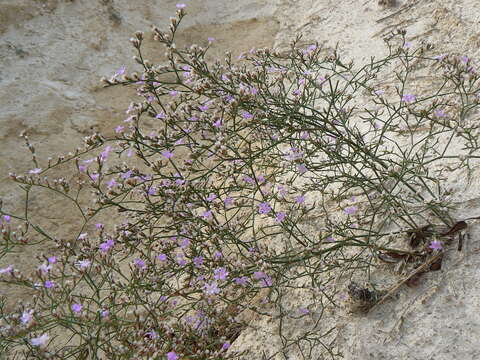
point(236, 183)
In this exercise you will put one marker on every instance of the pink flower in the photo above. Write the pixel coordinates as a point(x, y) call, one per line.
point(39, 341)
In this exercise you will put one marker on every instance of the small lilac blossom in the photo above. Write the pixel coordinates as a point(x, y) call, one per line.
point(26, 317)
point(105, 313)
point(264, 208)
point(6, 218)
point(280, 216)
point(120, 71)
point(228, 201)
point(198, 260)
point(49, 284)
point(211, 39)
point(77, 308)
point(179, 6)
point(172, 355)
point(39, 341)
point(8, 269)
point(220, 273)
point(217, 254)
point(302, 169)
point(330, 239)
point(218, 123)
point(44, 268)
point(82, 236)
point(35, 171)
point(300, 199)
point(207, 214)
point(203, 107)
point(211, 197)
point(211, 289)
point(160, 116)
point(436, 245)
point(185, 243)
point(246, 115)
point(152, 190)
point(241, 280)
point(140, 263)
point(111, 183)
point(107, 245)
point(350, 210)
point(104, 153)
point(83, 264)
point(225, 345)
point(162, 257)
point(464, 59)
point(409, 98)
point(99, 226)
point(94, 176)
point(52, 259)
point(181, 260)
point(167, 154)
point(173, 93)
point(439, 113)
point(119, 129)
point(303, 311)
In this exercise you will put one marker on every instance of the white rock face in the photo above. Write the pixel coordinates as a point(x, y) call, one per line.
point(53, 53)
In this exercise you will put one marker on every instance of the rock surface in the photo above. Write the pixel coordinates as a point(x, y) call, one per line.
point(53, 53)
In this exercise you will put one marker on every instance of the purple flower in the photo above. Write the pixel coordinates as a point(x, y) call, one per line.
point(35, 171)
point(211, 197)
point(82, 264)
point(207, 214)
point(264, 208)
point(8, 269)
point(211, 39)
point(104, 153)
point(105, 313)
point(218, 123)
point(241, 281)
point(228, 201)
point(173, 93)
point(436, 245)
point(140, 263)
point(7, 218)
point(211, 289)
point(82, 236)
point(172, 355)
point(26, 317)
point(409, 98)
point(107, 245)
point(217, 254)
point(179, 6)
point(99, 226)
point(303, 311)
point(77, 308)
point(439, 113)
point(111, 183)
point(198, 260)
point(152, 190)
point(167, 154)
point(160, 116)
point(220, 273)
point(302, 169)
point(162, 257)
point(119, 129)
point(225, 345)
point(120, 71)
point(300, 199)
point(280, 216)
point(246, 115)
point(350, 210)
point(49, 284)
point(39, 341)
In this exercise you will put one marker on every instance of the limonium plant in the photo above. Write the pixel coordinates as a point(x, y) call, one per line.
point(235, 183)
